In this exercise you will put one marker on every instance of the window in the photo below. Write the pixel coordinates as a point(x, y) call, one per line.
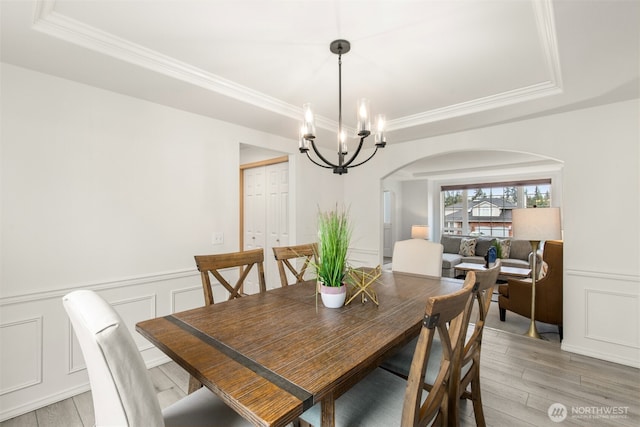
point(485, 209)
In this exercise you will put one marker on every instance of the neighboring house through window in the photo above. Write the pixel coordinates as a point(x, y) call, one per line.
point(485, 209)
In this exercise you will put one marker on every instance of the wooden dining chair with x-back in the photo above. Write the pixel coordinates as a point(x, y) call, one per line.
point(400, 362)
point(486, 282)
point(384, 399)
point(286, 256)
point(213, 264)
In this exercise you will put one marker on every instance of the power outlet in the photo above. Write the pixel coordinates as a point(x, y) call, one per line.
point(217, 238)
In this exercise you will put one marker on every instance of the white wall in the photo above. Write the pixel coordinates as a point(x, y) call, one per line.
point(394, 186)
point(115, 194)
point(599, 148)
point(251, 154)
point(415, 207)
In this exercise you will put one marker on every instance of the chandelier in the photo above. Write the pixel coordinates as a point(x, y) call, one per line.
point(363, 129)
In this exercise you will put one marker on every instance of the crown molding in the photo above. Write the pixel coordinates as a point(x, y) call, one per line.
point(545, 24)
point(543, 11)
point(503, 99)
point(52, 23)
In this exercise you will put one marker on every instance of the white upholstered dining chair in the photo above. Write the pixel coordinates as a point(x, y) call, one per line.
point(417, 256)
point(122, 392)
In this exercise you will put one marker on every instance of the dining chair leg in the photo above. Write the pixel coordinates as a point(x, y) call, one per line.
point(476, 398)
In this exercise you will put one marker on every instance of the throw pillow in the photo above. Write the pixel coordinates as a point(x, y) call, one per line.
point(505, 246)
point(467, 247)
point(451, 244)
point(482, 246)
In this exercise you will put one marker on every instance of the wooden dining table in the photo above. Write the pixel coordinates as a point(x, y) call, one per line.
point(271, 356)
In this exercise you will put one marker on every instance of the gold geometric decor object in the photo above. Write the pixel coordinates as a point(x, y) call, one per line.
point(361, 279)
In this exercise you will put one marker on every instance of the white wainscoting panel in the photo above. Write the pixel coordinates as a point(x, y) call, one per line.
point(21, 354)
point(76, 360)
point(602, 315)
point(134, 310)
point(187, 298)
point(42, 361)
point(359, 257)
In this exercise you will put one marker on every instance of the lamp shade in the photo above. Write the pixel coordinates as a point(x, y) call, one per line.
point(536, 224)
point(419, 231)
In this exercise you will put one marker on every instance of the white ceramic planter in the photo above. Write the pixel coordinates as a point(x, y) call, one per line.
point(333, 297)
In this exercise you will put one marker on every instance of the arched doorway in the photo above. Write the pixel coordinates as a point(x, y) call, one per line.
point(417, 185)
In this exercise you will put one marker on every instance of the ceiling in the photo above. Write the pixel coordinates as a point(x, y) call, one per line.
point(432, 67)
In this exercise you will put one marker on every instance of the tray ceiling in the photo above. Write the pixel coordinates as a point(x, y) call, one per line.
point(432, 67)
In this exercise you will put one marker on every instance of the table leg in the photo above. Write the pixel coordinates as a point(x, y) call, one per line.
point(327, 409)
point(194, 384)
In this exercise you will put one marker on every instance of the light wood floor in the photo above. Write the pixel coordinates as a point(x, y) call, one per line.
point(521, 378)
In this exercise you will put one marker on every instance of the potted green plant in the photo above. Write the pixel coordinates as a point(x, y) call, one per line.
point(334, 236)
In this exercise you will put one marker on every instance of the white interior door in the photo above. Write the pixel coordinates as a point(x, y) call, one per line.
point(266, 217)
point(277, 217)
point(254, 218)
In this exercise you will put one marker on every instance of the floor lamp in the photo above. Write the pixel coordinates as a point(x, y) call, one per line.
point(535, 225)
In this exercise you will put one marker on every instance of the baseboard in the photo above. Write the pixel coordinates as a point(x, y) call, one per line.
point(66, 394)
point(599, 355)
point(33, 405)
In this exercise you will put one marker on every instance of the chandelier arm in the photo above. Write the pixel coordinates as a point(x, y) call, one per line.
point(346, 165)
point(316, 163)
point(365, 161)
point(321, 157)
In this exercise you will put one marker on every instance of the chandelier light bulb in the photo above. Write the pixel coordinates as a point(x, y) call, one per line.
point(303, 143)
point(309, 123)
point(342, 142)
point(380, 138)
point(364, 121)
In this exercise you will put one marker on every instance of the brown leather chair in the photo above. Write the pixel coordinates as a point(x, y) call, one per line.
point(516, 294)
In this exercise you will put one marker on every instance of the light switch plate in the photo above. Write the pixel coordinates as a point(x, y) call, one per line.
point(217, 238)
